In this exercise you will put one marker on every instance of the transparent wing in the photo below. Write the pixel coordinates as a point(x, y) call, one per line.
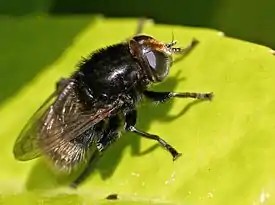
point(60, 120)
point(25, 147)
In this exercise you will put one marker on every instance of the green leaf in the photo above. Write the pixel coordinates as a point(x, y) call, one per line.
point(227, 144)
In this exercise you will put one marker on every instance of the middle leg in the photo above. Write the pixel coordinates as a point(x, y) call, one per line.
point(130, 121)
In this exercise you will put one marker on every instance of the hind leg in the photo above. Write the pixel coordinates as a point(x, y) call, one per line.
point(110, 134)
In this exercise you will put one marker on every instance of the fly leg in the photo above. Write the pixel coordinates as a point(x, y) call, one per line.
point(130, 121)
point(141, 23)
point(183, 52)
point(140, 27)
point(187, 49)
point(164, 96)
point(110, 134)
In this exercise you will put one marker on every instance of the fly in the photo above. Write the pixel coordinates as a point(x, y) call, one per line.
point(88, 111)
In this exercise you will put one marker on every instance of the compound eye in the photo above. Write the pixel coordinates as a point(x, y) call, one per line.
point(159, 63)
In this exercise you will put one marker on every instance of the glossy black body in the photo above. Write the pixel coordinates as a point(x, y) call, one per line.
point(89, 110)
point(111, 74)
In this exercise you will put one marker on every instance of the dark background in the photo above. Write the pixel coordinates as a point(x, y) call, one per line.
point(33, 44)
point(251, 20)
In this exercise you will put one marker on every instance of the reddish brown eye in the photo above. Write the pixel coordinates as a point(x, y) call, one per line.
point(159, 63)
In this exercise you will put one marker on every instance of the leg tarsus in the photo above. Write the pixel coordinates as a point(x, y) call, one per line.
point(199, 96)
point(184, 50)
point(164, 96)
point(187, 50)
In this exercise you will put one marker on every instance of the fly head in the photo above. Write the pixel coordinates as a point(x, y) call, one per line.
point(154, 57)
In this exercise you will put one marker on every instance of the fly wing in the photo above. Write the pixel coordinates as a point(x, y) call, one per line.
point(25, 147)
point(57, 123)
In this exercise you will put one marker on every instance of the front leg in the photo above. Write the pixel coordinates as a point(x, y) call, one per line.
point(130, 121)
point(164, 96)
